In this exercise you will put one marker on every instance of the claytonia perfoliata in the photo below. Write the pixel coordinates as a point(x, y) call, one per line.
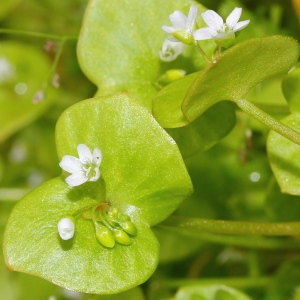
point(82, 169)
point(170, 50)
point(66, 228)
point(222, 33)
point(183, 26)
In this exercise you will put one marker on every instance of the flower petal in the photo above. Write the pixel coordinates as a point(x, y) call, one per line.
point(168, 29)
point(170, 50)
point(234, 17)
point(97, 175)
point(76, 179)
point(97, 157)
point(66, 228)
point(178, 19)
point(84, 153)
point(191, 19)
point(213, 20)
point(205, 33)
point(71, 164)
point(240, 25)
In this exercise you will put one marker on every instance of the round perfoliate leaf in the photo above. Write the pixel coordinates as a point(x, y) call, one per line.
point(141, 167)
point(82, 263)
point(232, 74)
point(142, 176)
point(284, 157)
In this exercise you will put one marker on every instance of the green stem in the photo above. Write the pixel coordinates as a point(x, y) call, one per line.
point(55, 62)
point(235, 227)
point(269, 121)
point(36, 34)
point(202, 52)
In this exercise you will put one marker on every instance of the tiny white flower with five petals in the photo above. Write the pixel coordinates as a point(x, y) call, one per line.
point(183, 26)
point(66, 228)
point(82, 169)
point(219, 30)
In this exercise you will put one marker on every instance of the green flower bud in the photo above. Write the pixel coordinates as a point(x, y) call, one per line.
point(184, 36)
point(129, 227)
point(122, 237)
point(106, 237)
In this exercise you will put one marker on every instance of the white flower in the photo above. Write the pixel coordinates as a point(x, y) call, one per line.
point(217, 29)
point(85, 168)
point(170, 50)
point(66, 228)
point(183, 27)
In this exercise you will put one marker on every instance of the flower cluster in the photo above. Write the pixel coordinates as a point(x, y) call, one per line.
point(184, 30)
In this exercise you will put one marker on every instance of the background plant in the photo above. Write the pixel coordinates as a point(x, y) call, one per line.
point(232, 181)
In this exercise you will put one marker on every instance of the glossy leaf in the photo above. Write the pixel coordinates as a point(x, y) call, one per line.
point(22, 72)
point(142, 174)
point(81, 264)
point(232, 74)
point(141, 162)
point(118, 50)
point(284, 157)
point(206, 130)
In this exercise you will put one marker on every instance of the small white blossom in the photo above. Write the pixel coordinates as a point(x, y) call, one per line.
point(183, 26)
point(66, 228)
point(82, 169)
point(219, 30)
point(170, 50)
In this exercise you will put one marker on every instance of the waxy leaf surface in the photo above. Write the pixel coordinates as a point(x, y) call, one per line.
point(142, 174)
point(232, 74)
point(118, 49)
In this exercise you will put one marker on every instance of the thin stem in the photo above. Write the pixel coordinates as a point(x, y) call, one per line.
point(55, 62)
point(202, 52)
point(235, 227)
point(269, 121)
point(36, 34)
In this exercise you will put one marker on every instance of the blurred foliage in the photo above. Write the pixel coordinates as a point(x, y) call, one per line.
point(232, 181)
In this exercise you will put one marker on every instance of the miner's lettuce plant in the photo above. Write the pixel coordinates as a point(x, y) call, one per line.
point(167, 89)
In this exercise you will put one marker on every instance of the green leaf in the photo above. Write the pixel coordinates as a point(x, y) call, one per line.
point(142, 174)
point(291, 90)
point(141, 162)
point(23, 70)
point(210, 292)
point(167, 102)
point(118, 50)
point(206, 130)
point(80, 264)
point(284, 157)
point(232, 74)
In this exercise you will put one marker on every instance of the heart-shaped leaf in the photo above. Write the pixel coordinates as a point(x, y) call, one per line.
point(118, 50)
point(232, 74)
point(143, 176)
